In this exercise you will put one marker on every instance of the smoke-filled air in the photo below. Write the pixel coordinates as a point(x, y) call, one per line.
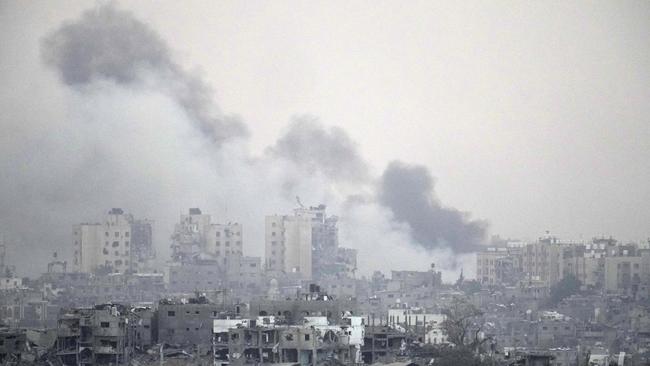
point(143, 133)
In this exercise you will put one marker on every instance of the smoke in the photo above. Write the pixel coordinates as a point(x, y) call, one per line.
point(317, 149)
point(110, 44)
point(408, 191)
point(138, 132)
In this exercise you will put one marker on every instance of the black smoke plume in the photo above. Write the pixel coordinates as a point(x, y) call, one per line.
point(315, 148)
point(111, 44)
point(408, 190)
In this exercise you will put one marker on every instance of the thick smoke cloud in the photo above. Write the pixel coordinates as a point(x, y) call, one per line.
point(136, 131)
point(110, 44)
point(315, 148)
point(408, 191)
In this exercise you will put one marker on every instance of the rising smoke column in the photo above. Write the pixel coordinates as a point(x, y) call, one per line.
point(111, 44)
point(408, 191)
point(317, 150)
point(145, 135)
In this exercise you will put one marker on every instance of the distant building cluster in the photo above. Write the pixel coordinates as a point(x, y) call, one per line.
point(550, 302)
point(602, 264)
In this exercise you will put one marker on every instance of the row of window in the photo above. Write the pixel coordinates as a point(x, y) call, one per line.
point(117, 234)
point(238, 243)
point(227, 252)
point(236, 234)
point(116, 253)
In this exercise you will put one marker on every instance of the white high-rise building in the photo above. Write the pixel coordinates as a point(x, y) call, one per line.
point(104, 244)
point(288, 243)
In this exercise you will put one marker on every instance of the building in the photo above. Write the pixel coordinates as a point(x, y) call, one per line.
point(96, 335)
point(314, 303)
point(199, 275)
point(288, 243)
point(306, 245)
point(13, 343)
point(109, 244)
point(261, 340)
point(188, 322)
point(245, 275)
point(196, 237)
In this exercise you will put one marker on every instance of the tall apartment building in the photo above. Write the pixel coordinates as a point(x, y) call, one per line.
point(307, 243)
point(288, 244)
point(111, 243)
point(196, 237)
point(542, 260)
point(487, 262)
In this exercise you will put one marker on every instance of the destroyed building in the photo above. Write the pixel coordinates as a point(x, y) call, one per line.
point(111, 245)
point(96, 335)
point(188, 322)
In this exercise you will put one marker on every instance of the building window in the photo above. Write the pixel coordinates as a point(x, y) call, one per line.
point(171, 313)
point(105, 324)
point(107, 233)
point(117, 234)
point(306, 337)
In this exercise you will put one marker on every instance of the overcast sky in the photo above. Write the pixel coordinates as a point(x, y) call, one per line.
point(533, 116)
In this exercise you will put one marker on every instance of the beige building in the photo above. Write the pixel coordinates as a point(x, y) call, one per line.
point(103, 244)
point(486, 264)
point(288, 243)
point(543, 260)
point(195, 236)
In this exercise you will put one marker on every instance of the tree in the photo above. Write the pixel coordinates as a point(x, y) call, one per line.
point(568, 286)
point(463, 324)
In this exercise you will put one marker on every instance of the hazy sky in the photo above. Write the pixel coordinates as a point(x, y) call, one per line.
point(533, 116)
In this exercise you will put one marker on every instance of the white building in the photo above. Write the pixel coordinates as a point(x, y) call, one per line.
point(406, 318)
point(288, 243)
point(103, 244)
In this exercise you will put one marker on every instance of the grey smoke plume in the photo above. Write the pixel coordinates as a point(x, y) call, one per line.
point(111, 44)
point(315, 148)
point(134, 136)
point(408, 191)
